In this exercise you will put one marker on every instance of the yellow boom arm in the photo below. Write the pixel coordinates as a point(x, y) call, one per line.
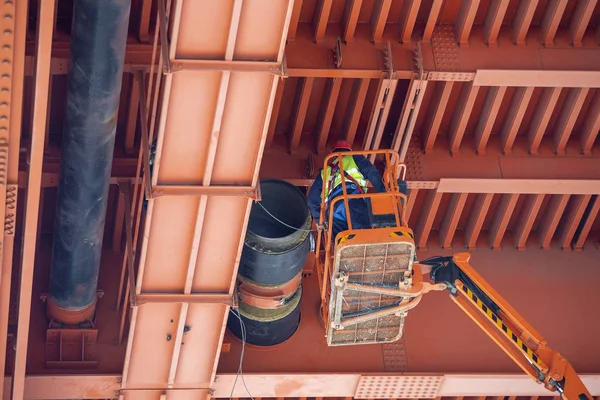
point(505, 326)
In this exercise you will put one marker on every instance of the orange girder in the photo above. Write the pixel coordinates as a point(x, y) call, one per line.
point(212, 131)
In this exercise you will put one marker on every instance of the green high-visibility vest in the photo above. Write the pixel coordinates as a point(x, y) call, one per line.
point(350, 168)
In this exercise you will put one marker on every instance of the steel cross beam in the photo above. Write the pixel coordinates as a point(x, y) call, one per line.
point(184, 285)
point(324, 386)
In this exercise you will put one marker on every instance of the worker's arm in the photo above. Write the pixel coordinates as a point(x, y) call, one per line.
point(515, 336)
point(369, 171)
point(314, 198)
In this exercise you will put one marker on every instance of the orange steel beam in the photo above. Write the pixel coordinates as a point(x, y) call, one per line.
point(321, 18)
point(344, 385)
point(553, 14)
point(132, 116)
point(541, 117)
point(205, 190)
point(571, 79)
point(487, 118)
point(440, 101)
point(11, 96)
point(531, 209)
point(515, 115)
point(379, 114)
point(144, 16)
point(500, 223)
point(580, 21)
point(294, 19)
point(461, 116)
point(410, 201)
point(327, 385)
point(464, 21)
point(522, 20)
point(410, 111)
point(448, 228)
point(45, 30)
point(355, 108)
point(493, 21)
point(573, 219)
point(119, 219)
point(275, 113)
point(432, 18)
point(205, 298)
point(328, 104)
point(193, 148)
point(408, 18)
point(591, 125)
point(475, 223)
point(301, 106)
point(519, 186)
point(379, 18)
point(568, 117)
point(426, 221)
point(351, 12)
point(554, 212)
point(587, 226)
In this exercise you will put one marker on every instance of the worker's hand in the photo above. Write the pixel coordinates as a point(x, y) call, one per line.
point(321, 227)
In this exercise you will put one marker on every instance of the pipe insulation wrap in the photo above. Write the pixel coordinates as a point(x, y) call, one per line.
point(98, 40)
point(275, 251)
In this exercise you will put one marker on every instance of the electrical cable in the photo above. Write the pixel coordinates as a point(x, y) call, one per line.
point(283, 223)
point(240, 373)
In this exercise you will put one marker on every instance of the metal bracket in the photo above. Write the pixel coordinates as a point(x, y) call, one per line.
point(418, 58)
point(388, 61)
point(164, 43)
point(310, 167)
point(337, 54)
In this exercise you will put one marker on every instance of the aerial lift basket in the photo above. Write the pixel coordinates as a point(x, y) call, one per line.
point(366, 275)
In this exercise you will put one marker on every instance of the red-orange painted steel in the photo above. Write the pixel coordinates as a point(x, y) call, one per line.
point(500, 223)
point(465, 20)
point(487, 118)
point(191, 151)
point(351, 14)
point(515, 115)
point(522, 21)
point(532, 207)
point(481, 207)
point(580, 20)
point(441, 98)
point(541, 117)
point(355, 108)
point(568, 117)
point(327, 109)
point(493, 21)
point(573, 219)
point(461, 116)
point(46, 13)
point(450, 223)
point(410, 10)
point(379, 18)
point(553, 15)
point(426, 222)
point(303, 97)
point(554, 212)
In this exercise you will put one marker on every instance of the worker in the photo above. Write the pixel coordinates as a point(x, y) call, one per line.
point(358, 171)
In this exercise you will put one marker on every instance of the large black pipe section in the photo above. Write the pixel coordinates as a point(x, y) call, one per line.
point(269, 280)
point(98, 39)
point(277, 238)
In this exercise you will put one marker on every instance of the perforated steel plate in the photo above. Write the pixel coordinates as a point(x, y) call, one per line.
point(374, 264)
point(396, 387)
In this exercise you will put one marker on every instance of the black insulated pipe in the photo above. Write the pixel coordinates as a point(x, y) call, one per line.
point(277, 238)
point(98, 39)
point(275, 251)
